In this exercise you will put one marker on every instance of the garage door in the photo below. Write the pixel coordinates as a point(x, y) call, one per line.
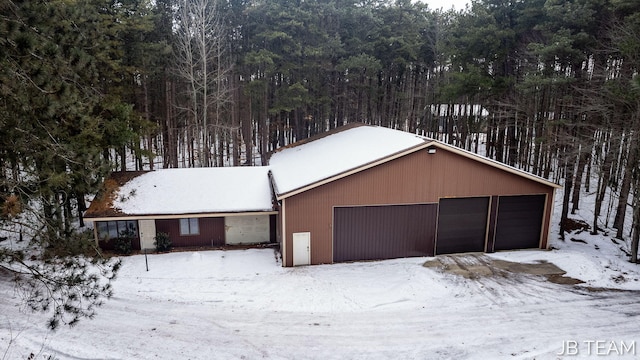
point(383, 232)
point(462, 224)
point(519, 222)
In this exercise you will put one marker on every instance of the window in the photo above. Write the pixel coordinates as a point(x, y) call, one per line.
point(189, 226)
point(114, 229)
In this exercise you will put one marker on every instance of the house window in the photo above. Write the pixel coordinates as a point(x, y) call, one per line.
point(115, 229)
point(189, 226)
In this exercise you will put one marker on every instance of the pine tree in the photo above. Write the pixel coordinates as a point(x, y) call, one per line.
point(54, 119)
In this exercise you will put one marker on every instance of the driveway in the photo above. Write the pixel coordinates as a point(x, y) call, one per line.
point(478, 266)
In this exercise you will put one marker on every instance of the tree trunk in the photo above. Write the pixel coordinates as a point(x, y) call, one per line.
point(605, 174)
point(567, 193)
point(625, 189)
point(635, 235)
point(577, 186)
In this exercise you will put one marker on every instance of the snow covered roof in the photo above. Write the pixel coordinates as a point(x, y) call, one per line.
point(185, 191)
point(307, 162)
point(294, 168)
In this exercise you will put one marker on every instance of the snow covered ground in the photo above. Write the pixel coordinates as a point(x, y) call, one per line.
point(242, 304)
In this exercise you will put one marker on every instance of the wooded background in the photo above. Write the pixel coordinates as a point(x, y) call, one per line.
point(88, 85)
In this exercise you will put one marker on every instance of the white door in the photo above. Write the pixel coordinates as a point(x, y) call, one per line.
point(147, 229)
point(301, 248)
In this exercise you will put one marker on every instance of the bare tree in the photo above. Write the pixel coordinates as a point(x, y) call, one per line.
point(201, 64)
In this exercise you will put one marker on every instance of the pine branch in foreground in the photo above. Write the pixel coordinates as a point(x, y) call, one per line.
point(68, 287)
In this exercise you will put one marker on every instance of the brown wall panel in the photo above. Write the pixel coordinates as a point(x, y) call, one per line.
point(211, 232)
point(415, 178)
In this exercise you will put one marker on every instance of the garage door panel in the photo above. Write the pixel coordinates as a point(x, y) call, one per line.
point(519, 222)
point(383, 232)
point(462, 224)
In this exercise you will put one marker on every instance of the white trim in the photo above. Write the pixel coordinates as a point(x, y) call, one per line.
point(177, 216)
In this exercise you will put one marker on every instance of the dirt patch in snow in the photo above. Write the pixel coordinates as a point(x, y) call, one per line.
point(475, 266)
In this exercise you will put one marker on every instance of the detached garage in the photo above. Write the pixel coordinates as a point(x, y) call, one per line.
point(366, 193)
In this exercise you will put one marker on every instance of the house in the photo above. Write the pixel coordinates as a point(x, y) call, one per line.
point(195, 206)
point(364, 193)
point(354, 193)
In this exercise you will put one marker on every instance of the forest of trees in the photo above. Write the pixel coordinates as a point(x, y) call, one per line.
point(93, 86)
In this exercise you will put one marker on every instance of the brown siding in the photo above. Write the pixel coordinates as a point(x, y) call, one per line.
point(211, 232)
point(415, 178)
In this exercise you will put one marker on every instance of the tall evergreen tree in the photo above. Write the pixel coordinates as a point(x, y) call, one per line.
point(55, 121)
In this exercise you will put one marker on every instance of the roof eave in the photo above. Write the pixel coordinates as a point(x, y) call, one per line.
point(179, 216)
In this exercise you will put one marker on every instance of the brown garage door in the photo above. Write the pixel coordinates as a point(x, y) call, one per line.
point(462, 224)
point(519, 222)
point(383, 232)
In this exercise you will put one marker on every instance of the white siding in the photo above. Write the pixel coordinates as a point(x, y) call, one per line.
point(252, 229)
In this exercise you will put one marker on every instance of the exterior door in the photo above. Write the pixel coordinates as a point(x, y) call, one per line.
point(301, 248)
point(147, 230)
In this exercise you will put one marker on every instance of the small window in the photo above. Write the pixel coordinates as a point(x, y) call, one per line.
point(189, 226)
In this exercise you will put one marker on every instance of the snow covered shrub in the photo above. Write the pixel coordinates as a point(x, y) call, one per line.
point(162, 242)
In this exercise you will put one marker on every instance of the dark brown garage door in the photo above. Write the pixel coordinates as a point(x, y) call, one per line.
point(519, 222)
point(462, 224)
point(383, 232)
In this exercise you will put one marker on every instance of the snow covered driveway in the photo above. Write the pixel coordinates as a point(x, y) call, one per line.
point(243, 305)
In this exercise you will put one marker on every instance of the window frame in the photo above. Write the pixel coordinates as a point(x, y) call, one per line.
point(189, 226)
point(112, 229)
